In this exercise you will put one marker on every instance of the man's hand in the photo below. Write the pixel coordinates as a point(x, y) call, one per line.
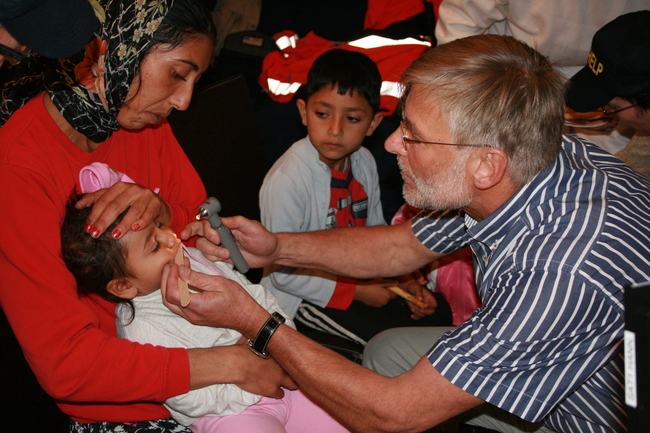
point(256, 243)
point(108, 203)
point(221, 303)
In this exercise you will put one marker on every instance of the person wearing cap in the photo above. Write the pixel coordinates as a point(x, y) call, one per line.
point(51, 28)
point(617, 79)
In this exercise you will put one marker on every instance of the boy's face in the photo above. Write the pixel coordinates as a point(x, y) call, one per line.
point(147, 253)
point(337, 124)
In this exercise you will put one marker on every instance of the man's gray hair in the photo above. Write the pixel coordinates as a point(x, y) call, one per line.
point(499, 91)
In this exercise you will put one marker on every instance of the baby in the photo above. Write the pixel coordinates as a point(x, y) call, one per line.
point(128, 271)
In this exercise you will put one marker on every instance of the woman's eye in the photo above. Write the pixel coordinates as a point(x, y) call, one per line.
point(178, 76)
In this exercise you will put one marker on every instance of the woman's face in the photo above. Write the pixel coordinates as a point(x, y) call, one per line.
point(166, 81)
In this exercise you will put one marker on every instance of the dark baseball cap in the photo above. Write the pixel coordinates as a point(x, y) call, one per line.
point(618, 64)
point(52, 28)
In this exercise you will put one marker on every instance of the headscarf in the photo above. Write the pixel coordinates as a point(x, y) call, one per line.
point(90, 87)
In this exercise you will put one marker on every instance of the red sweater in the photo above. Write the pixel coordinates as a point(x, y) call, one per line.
point(70, 343)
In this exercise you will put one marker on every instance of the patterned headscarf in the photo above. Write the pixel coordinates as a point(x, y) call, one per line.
point(89, 88)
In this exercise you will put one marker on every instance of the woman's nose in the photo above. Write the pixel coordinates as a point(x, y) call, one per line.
point(183, 96)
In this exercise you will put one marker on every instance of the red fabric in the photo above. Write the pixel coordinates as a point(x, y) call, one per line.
point(292, 64)
point(345, 287)
point(69, 342)
point(383, 13)
point(343, 293)
point(453, 274)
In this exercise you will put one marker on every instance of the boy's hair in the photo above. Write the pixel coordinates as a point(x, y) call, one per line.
point(94, 262)
point(350, 71)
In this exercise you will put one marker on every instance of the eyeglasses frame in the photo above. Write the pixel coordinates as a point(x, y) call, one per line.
point(410, 140)
point(16, 55)
point(609, 113)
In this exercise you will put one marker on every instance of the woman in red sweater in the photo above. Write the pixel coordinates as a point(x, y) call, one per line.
point(109, 105)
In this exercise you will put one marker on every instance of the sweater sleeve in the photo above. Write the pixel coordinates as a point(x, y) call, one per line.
point(181, 187)
point(72, 356)
point(69, 342)
point(285, 207)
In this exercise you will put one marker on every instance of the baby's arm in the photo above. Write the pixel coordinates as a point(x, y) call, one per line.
point(155, 324)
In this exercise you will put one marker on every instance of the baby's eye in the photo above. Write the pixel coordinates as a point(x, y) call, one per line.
point(156, 247)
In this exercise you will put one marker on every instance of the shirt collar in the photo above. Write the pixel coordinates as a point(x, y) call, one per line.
point(494, 228)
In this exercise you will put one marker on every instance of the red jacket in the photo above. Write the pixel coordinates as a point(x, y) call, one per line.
point(283, 72)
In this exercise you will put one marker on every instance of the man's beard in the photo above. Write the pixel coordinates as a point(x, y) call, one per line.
point(441, 191)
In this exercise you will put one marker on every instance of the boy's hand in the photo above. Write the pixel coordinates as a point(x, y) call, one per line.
point(423, 294)
point(374, 292)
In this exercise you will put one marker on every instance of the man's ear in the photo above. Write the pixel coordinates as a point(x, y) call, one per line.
point(122, 289)
point(302, 108)
point(490, 167)
point(376, 120)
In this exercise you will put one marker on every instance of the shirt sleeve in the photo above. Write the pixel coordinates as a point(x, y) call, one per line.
point(540, 335)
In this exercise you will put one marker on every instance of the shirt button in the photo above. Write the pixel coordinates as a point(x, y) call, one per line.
point(495, 245)
point(485, 257)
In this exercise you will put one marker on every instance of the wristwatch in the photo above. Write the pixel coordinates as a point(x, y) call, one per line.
point(258, 347)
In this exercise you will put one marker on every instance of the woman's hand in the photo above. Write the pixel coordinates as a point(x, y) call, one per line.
point(374, 292)
point(261, 376)
point(256, 243)
point(109, 203)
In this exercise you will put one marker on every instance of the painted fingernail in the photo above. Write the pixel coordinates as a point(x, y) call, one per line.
point(116, 233)
point(95, 232)
point(88, 228)
point(135, 227)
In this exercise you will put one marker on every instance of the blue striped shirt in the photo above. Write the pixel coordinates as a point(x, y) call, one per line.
point(551, 265)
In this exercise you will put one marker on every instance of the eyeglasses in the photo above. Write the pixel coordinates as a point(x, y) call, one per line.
point(406, 140)
point(16, 55)
point(607, 112)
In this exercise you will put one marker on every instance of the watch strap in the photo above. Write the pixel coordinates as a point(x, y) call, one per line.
point(258, 346)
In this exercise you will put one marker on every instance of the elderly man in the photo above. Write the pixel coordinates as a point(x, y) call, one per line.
point(558, 229)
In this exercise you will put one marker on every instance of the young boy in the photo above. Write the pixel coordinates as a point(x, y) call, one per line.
point(329, 180)
point(129, 271)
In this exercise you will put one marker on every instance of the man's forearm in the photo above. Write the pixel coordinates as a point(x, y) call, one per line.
point(359, 252)
point(362, 399)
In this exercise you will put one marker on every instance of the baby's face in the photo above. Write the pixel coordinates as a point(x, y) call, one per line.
point(147, 252)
